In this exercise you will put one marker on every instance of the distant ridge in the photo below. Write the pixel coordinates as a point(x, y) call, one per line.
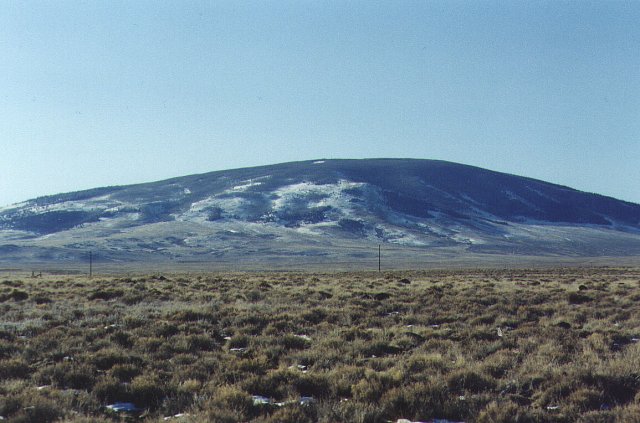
point(322, 210)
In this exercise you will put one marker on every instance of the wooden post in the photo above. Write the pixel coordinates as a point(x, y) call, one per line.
point(90, 264)
point(379, 258)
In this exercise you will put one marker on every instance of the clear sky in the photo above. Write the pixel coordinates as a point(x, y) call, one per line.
point(96, 93)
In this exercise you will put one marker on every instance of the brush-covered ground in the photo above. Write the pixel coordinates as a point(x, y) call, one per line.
point(554, 345)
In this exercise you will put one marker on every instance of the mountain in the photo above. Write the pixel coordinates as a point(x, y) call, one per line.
point(332, 211)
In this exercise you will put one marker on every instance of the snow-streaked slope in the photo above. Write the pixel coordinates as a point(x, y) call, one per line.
point(315, 206)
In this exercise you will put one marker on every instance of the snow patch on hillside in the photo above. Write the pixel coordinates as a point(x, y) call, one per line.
point(541, 194)
point(245, 186)
point(14, 206)
point(200, 211)
point(101, 203)
point(466, 239)
point(332, 195)
point(515, 197)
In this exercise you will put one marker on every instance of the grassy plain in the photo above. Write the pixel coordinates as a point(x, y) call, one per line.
point(541, 345)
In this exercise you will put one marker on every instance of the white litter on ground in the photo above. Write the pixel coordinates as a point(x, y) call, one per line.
point(261, 400)
point(126, 407)
point(176, 416)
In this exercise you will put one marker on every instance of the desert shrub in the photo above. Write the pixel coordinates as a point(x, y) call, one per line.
point(169, 356)
point(409, 341)
point(252, 365)
point(235, 401)
point(125, 372)
point(77, 377)
point(221, 415)
point(122, 339)
point(5, 335)
point(107, 358)
point(504, 412)
point(586, 399)
point(18, 295)
point(349, 411)
point(136, 320)
point(280, 324)
point(15, 295)
point(469, 380)
point(312, 385)
point(483, 334)
point(106, 294)
point(628, 414)
point(177, 401)
point(422, 400)
point(342, 379)
point(132, 298)
point(274, 353)
point(275, 384)
point(14, 369)
point(147, 391)
point(498, 364)
point(202, 370)
point(554, 390)
point(608, 416)
point(239, 341)
point(379, 348)
point(254, 296)
point(42, 298)
point(193, 315)
point(36, 409)
point(292, 414)
point(421, 363)
point(578, 298)
point(184, 359)
point(74, 402)
point(190, 386)
point(83, 419)
point(149, 345)
point(618, 389)
point(315, 315)
point(9, 405)
point(110, 390)
point(252, 324)
point(374, 385)
point(397, 403)
point(484, 319)
point(200, 343)
point(293, 342)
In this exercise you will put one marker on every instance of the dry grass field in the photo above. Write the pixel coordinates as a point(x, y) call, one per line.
point(545, 345)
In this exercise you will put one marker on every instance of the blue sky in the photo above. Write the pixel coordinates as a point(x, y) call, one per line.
point(109, 93)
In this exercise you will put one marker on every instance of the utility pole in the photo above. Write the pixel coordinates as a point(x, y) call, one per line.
point(90, 264)
point(379, 258)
